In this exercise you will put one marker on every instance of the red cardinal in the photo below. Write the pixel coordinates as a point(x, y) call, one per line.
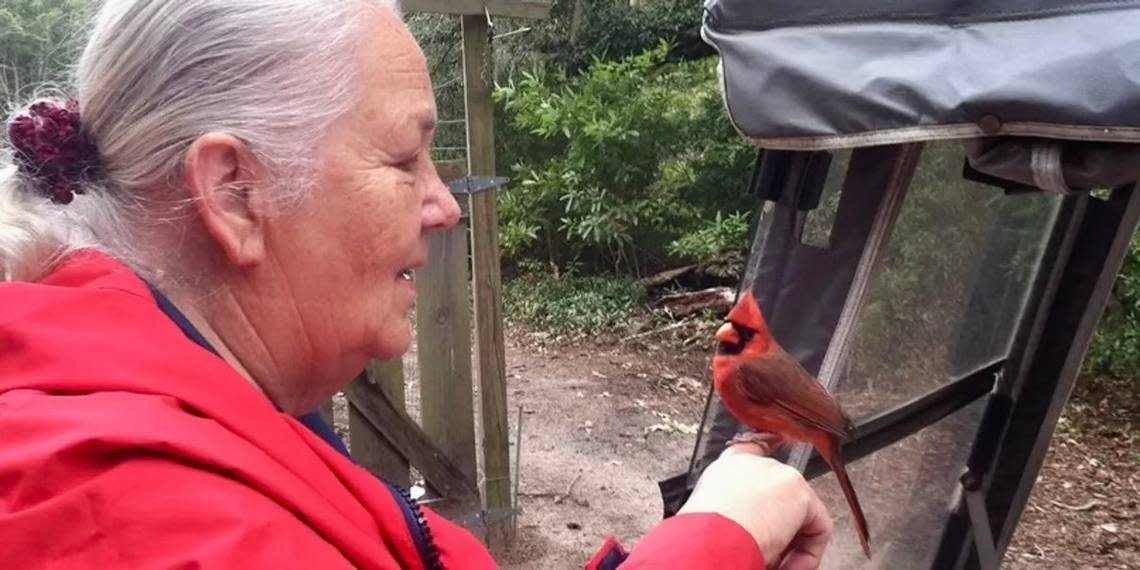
point(771, 393)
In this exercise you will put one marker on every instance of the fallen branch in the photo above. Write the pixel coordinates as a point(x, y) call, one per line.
point(569, 490)
point(558, 497)
point(1092, 503)
point(665, 276)
point(718, 299)
point(665, 328)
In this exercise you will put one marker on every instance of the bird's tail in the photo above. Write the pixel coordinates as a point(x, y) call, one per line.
point(835, 460)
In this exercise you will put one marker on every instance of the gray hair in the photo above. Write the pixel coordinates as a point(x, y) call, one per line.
point(157, 74)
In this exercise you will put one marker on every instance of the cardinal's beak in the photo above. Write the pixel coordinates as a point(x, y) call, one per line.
point(727, 334)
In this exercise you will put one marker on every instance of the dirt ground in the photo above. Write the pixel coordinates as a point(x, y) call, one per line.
point(1085, 510)
point(601, 425)
point(604, 421)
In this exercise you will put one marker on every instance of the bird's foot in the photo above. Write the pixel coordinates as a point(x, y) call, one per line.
point(768, 442)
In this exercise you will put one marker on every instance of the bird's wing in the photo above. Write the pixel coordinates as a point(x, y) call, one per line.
point(777, 380)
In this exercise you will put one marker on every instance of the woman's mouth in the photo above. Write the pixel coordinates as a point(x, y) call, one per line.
point(406, 274)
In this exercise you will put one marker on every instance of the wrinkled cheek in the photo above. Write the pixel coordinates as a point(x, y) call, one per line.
point(367, 272)
point(366, 252)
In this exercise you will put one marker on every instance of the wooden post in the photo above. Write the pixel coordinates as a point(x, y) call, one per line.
point(478, 68)
point(369, 448)
point(443, 332)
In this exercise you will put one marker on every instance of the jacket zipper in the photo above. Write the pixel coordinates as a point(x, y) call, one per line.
point(418, 527)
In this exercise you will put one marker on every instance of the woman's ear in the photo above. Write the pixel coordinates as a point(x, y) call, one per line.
point(226, 182)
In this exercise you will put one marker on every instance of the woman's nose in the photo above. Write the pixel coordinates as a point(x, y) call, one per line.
point(440, 210)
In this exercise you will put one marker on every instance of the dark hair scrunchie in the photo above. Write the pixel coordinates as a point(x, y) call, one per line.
point(52, 150)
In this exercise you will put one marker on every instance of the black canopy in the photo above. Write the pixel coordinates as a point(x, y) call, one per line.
point(802, 75)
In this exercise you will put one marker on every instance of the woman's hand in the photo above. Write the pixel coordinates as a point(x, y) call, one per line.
point(770, 500)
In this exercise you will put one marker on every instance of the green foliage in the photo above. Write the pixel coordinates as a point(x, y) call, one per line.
point(581, 31)
point(1115, 348)
point(719, 245)
point(627, 157)
point(577, 33)
point(39, 41)
point(570, 303)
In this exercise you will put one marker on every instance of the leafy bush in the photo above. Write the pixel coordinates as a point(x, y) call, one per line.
point(570, 303)
point(580, 31)
point(39, 40)
point(628, 157)
point(1115, 348)
point(719, 246)
point(577, 33)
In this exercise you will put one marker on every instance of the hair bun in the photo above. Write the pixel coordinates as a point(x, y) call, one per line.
point(52, 150)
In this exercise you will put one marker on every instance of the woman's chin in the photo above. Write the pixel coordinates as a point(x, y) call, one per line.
point(393, 342)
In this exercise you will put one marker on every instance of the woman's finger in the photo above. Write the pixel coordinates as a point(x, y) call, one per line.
point(805, 552)
point(749, 447)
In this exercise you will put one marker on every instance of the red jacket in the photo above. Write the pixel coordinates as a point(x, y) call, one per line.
point(125, 445)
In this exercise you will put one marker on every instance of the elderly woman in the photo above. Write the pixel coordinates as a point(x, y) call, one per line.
point(217, 236)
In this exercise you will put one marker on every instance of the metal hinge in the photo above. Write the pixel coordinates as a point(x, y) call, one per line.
point(476, 184)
